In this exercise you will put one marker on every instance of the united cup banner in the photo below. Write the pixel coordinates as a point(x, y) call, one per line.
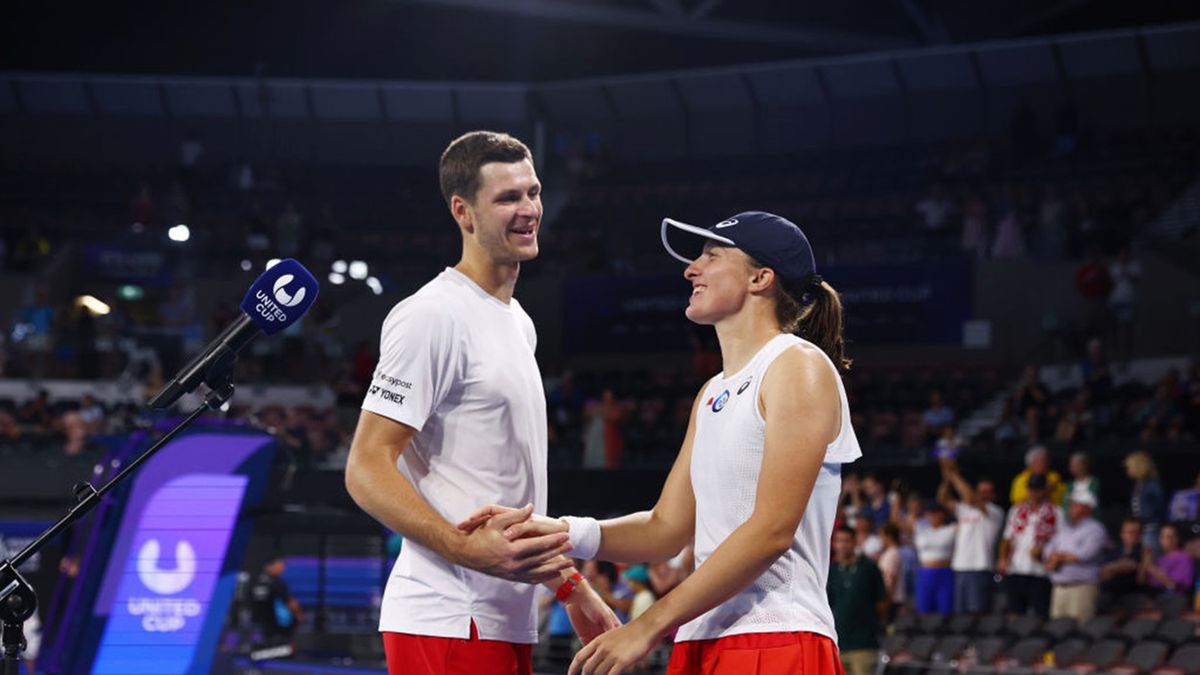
point(169, 582)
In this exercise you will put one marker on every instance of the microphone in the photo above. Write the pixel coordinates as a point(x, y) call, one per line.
point(275, 301)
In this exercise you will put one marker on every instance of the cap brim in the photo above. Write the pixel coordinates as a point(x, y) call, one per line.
point(699, 231)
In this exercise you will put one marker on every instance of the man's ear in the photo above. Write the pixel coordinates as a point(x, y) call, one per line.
point(461, 210)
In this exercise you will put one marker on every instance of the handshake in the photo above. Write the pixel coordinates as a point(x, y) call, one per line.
point(520, 545)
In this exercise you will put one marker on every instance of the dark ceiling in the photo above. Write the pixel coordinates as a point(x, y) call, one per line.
point(518, 40)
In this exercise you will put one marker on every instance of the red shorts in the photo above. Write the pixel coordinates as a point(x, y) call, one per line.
point(757, 654)
point(426, 655)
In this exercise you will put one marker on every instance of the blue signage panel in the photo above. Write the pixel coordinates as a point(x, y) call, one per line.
point(169, 582)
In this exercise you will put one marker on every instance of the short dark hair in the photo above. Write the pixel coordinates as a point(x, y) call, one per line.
point(844, 529)
point(458, 171)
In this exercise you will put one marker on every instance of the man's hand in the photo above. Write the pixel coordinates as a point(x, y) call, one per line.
point(533, 560)
point(534, 526)
point(589, 615)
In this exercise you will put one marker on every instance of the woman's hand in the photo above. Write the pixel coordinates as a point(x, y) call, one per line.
point(614, 651)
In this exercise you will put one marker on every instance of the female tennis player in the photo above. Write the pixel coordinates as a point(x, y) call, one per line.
point(757, 480)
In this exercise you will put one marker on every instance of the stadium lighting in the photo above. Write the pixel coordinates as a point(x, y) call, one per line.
point(358, 270)
point(339, 266)
point(374, 285)
point(272, 262)
point(130, 292)
point(246, 266)
point(179, 233)
point(337, 279)
point(93, 304)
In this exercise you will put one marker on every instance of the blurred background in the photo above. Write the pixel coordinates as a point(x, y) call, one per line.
point(1007, 195)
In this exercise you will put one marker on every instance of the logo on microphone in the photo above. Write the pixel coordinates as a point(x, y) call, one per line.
point(281, 294)
point(166, 581)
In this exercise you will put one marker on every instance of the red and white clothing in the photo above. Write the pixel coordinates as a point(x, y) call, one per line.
point(727, 454)
point(457, 365)
point(1028, 527)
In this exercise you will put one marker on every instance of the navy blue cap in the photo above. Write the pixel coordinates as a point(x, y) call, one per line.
point(772, 240)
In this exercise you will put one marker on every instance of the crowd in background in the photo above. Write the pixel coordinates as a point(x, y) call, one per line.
point(1059, 551)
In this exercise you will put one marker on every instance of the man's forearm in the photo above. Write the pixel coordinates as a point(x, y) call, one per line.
point(387, 495)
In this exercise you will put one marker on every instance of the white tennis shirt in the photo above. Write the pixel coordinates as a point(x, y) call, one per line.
point(727, 454)
point(457, 365)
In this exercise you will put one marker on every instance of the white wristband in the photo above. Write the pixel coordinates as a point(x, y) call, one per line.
point(584, 536)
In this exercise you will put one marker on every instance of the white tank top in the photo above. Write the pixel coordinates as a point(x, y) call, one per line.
point(726, 459)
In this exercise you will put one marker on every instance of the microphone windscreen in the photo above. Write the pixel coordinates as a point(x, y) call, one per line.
point(280, 296)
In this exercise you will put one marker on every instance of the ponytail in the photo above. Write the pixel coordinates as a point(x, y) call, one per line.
point(814, 312)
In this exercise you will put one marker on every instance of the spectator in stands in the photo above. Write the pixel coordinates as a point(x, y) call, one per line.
point(866, 541)
point(36, 413)
point(858, 598)
point(1010, 429)
point(935, 549)
point(9, 429)
point(1030, 400)
point(1097, 374)
point(1119, 574)
point(78, 424)
point(1191, 404)
point(1185, 504)
point(912, 516)
point(1076, 421)
point(1125, 272)
point(1030, 526)
point(1037, 463)
point(1073, 559)
point(637, 577)
point(603, 441)
point(602, 576)
point(1080, 468)
point(872, 501)
point(937, 416)
point(979, 525)
point(1147, 502)
point(1160, 417)
point(1175, 570)
point(1094, 284)
point(891, 566)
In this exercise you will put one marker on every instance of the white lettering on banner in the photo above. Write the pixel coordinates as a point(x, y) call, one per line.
point(267, 308)
point(163, 615)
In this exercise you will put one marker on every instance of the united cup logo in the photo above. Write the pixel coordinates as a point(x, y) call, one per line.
point(162, 614)
point(281, 293)
point(166, 581)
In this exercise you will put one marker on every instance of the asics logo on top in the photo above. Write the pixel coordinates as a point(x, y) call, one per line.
point(287, 299)
point(727, 223)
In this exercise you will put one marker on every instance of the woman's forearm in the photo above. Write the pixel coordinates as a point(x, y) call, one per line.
point(642, 537)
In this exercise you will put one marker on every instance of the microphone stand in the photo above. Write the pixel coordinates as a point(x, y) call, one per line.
point(18, 601)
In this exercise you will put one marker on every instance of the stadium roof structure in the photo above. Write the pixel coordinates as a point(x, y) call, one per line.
point(521, 40)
